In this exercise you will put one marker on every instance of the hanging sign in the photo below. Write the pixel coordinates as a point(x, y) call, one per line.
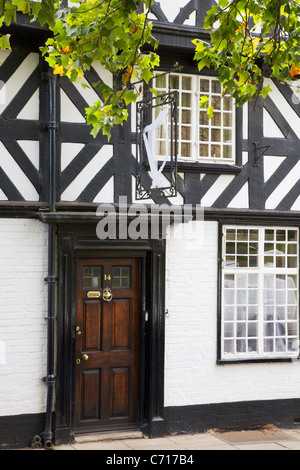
point(156, 147)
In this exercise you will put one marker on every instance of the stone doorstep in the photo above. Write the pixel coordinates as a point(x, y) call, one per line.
point(108, 436)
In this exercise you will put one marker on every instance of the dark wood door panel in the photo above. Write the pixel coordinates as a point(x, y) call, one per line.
point(121, 310)
point(90, 395)
point(106, 344)
point(92, 321)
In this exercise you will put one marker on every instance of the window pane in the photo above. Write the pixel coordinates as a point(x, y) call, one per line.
point(252, 346)
point(186, 100)
point(216, 102)
point(253, 235)
point(160, 81)
point(204, 85)
point(269, 235)
point(204, 149)
point(252, 312)
point(228, 346)
point(186, 133)
point(204, 134)
point(227, 136)
point(204, 119)
point(121, 277)
point(227, 120)
point(229, 314)
point(185, 150)
point(292, 262)
point(92, 277)
point(186, 117)
point(216, 135)
point(216, 87)
point(216, 119)
point(216, 151)
point(241, 346)
point(186, 83)
point(241, 330)
point(229, 330)
point(174, 82)
point(241, 313)
point(227, 103)
point(227, 151)
point(292, 249)
point(252, 329)
point(280, 235)
point(242, 234)
point(292, 235)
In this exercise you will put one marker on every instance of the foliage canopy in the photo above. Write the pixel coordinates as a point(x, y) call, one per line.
point(249, 41)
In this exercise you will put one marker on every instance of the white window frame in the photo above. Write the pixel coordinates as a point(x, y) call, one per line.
point(195, 121)
point(261, 270)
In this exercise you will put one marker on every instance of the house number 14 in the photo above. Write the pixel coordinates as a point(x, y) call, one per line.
point(107, 277)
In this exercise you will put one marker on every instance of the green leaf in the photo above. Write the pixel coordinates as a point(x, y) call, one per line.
point(265, 91)
point(203, 101)
point(22, 5)
point(10, 13)
point(5, 42)
point(222, 3)
point(153, 91)
point(106, 91)
point(210, 112)
point(130, 97)
point(146, 75)
point(36, 6)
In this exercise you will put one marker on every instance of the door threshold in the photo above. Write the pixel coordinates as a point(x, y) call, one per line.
point(109, 436)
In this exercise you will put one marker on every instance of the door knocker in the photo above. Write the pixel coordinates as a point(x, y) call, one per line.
point(107, 294)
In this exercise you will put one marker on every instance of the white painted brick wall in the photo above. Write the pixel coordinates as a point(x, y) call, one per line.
point(23, 307)
point(191, 373)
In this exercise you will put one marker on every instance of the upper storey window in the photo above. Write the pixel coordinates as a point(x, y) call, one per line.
point(199, 138)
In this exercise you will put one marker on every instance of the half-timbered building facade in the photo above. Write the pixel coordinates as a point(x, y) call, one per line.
point(163, 334)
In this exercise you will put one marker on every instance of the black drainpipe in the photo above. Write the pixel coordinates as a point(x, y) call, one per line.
point(50, 379)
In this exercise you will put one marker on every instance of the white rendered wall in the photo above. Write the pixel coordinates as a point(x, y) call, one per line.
point(29, 112)
point(23, 307)
point(192, 376)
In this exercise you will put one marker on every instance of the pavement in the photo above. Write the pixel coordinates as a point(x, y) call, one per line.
point(270, 438)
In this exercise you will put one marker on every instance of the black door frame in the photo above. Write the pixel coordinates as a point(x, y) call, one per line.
point(80, 241)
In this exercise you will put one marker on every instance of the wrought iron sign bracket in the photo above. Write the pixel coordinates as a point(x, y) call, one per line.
point(156, 177)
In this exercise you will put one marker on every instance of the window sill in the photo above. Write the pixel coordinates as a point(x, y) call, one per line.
point(200, 167)
point(223, 362)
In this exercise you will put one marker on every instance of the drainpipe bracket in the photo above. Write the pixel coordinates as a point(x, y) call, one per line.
point(49, 379)
point(49, 125)
point(50, 279)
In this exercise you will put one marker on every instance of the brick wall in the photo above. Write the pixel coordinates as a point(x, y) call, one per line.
point(191, 373)
point(23, 307)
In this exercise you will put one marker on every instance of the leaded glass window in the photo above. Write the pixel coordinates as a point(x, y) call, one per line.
point(260, 314)
point(199, 138)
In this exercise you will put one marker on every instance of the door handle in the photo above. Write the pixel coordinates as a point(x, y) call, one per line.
point(84, 357)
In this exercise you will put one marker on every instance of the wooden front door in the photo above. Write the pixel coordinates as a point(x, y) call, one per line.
point(106, 344)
